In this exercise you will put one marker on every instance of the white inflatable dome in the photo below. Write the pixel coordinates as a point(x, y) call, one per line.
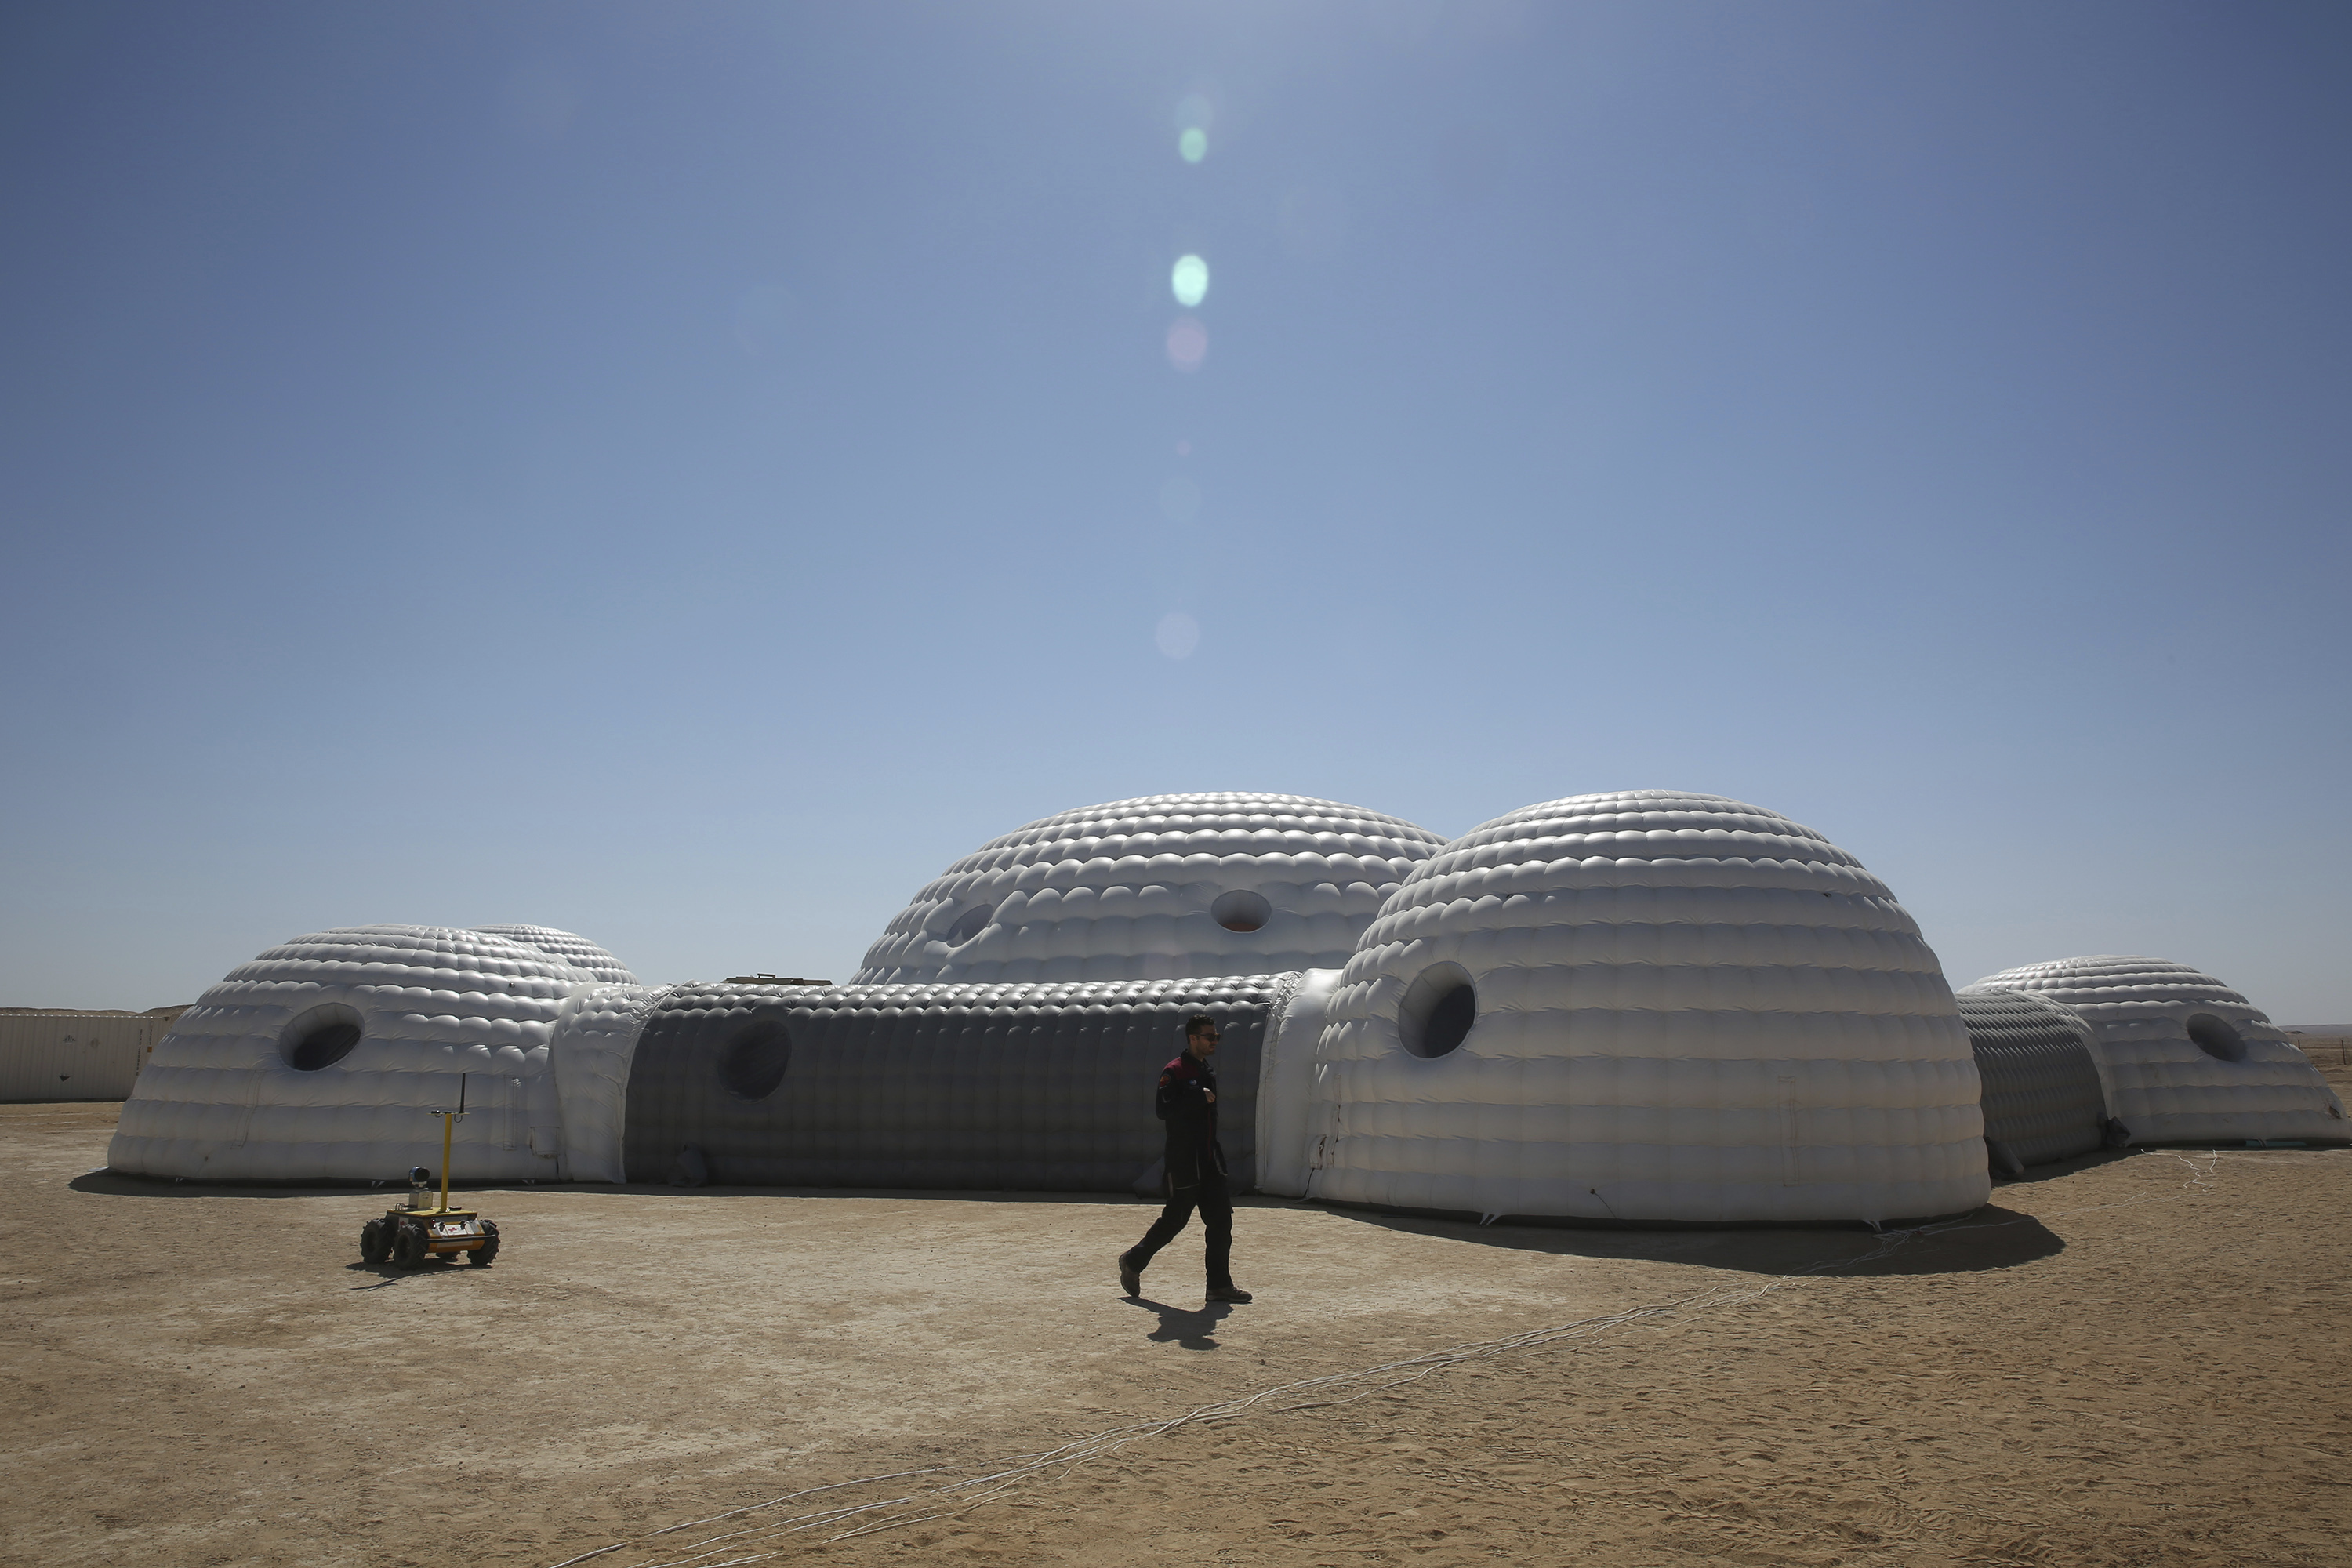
point(2184, 1059)
point(573, 949)
point(1647, 1006)
point(322, 1058)
point(1159, 887)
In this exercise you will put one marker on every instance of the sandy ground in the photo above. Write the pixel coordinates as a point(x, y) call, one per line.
point(2126, 1360)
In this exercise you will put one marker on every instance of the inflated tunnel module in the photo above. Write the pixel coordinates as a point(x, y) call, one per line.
point(2043, 1099)
point(1040, 1086)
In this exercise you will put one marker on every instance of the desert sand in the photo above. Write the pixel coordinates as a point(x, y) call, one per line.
point(2124, 1359)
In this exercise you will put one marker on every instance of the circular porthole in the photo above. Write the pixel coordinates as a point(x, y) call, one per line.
point(971, 923)
point(2216, 1037)
point(1241, 910)
point(321, 1037)
point(753, 1061)
point(1439, 1008)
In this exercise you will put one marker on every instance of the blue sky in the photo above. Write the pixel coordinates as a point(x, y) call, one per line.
point(687, 473)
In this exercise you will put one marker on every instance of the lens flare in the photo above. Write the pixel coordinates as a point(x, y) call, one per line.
point(1194, 145)
point(1188, 343)
point(1190, 280)
point(1178, 634)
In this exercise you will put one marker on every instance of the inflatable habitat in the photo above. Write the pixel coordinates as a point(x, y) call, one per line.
point(1643, 1007)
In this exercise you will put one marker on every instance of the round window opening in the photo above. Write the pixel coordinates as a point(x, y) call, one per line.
point(1439, 1008)
point(971, 923)
point(752, 1062)
point(320, 1037)
point(2216, 1037)
point(1241, 910)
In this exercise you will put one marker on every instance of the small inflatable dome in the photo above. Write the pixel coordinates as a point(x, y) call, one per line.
point(323, 1057)
point(2186, 1059)
point(1160, 888)
point(1647, 1006)
point(575, 951)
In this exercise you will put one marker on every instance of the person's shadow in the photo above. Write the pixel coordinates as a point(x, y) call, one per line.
point(1188, 1327)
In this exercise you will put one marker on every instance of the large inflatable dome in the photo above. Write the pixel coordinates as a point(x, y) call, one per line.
point(2185, 1059)
point(1647, 1006)
point(324, 1057)
point(1158, 887)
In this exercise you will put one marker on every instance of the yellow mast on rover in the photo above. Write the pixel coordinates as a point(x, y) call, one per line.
point(449, 1125)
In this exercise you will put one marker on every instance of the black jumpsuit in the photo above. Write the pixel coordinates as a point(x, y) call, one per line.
point(1196, 1169)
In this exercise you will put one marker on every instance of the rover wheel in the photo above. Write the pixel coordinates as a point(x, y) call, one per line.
point(375, 1246)
point(488, 1249)
point(408, 1247)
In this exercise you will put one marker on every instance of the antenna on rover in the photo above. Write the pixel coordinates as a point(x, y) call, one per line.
point(448, 1125)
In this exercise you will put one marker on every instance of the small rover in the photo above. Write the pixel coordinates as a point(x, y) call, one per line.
point(410, 1234)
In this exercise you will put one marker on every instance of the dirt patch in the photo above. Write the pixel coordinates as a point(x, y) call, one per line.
point(2125, 1360)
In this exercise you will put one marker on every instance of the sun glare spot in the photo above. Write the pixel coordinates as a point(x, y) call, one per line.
point(1194, 145)
point(1178, 635)
point(1188, 343)
point(1190, 280)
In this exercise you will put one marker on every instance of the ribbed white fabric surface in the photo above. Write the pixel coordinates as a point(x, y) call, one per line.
point(2159, 1084)
point(595, 1043)
point(1127, 891)
point(221, 1100)
point(575, 949)
point(1687, 1009)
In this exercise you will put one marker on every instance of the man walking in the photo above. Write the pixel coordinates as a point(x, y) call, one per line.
point(1187, 1102)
